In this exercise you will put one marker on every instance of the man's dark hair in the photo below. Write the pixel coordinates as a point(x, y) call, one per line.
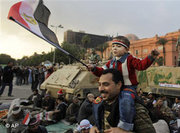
point(36, 90)
point(123, 39)
point(60, 98)
point(116, 75)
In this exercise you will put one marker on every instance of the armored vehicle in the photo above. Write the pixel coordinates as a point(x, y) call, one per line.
point(74, 80)
point(160, 80)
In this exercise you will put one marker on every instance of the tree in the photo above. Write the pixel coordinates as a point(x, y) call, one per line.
point(85, 41)
point(163, 41)
point(73, 49)
point(101, 48)
point(4, 59)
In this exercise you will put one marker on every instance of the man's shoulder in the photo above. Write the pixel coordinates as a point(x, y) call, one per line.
point(142, 121)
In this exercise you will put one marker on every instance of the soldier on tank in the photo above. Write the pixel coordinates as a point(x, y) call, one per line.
point(94, 58)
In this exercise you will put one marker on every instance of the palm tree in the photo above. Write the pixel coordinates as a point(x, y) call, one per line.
point(101, 48)
point(163, 41)
point(85, 41)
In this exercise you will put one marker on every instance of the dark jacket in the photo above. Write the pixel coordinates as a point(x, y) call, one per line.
point(142, 121)
point(36, 101)
point(50, 103)
point(40, 129)
point(85, 111)
point(72, 112)
point(7, 74)
point(62, 111)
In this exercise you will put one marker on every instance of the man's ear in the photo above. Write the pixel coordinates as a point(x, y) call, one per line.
point(119, 84)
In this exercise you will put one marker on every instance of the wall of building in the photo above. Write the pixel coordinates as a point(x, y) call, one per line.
point(76, 37)
point(142, 48)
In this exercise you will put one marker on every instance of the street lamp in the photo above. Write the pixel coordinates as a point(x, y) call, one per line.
point(56, 27)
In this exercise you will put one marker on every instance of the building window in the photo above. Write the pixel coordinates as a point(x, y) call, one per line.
point(160, 47)
point(136, 52)
point(145, 50)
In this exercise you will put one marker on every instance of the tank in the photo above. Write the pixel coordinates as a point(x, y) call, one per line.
point(74, 80)
point(160, 80)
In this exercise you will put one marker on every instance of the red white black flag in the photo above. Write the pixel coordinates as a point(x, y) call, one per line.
point(33, 15)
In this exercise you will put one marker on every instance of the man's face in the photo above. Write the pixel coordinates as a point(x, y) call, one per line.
point(90, 97)
point(118, 50)
point(10, 64)
point(85, 130)
point(160, 102)
point(76, 100)
point(35, 92)
point(150, 96)
point(108, 88)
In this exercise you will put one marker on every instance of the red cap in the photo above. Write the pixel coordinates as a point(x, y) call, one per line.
point(60, 92)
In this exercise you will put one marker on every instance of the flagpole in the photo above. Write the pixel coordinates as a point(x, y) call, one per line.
point(56, 27)
point(55, 45)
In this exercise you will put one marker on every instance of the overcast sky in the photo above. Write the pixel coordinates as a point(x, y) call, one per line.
point(144, 18)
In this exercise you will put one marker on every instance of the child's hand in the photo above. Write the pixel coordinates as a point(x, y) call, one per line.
point(154, 53)
point(90, 67)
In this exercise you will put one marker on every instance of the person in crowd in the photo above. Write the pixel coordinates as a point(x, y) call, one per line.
point(60, 93)
point(18, 76)
point(163, 112)
point(84, 126)
point(85, 111)
point(140, 93)
point(26, 74)
point(41, 75)
point(60, 110)
point(150, 100)
point(48, 103)
point(72, 110)
point(7, 79)
point(94, 58)
point(35, 127)
point(166, 101)
point(30, 75)
point(16, 121)
point(23, 75)
point(49, 72)
point(106, 107)
point(176, 106)
point(1, 73)
point(35, 99)
point(35, 78)
point(127, 64)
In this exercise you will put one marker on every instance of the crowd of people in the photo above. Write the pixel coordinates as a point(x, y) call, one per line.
point(24, 76)
point(100, 114)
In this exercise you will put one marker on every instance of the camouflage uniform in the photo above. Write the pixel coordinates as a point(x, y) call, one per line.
point(164, 112)
point(94, 58)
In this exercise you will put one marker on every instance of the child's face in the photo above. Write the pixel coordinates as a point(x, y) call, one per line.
point(118, 50)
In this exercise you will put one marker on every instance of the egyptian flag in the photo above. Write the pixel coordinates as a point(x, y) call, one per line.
point(26, 119)
point(33, 15)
